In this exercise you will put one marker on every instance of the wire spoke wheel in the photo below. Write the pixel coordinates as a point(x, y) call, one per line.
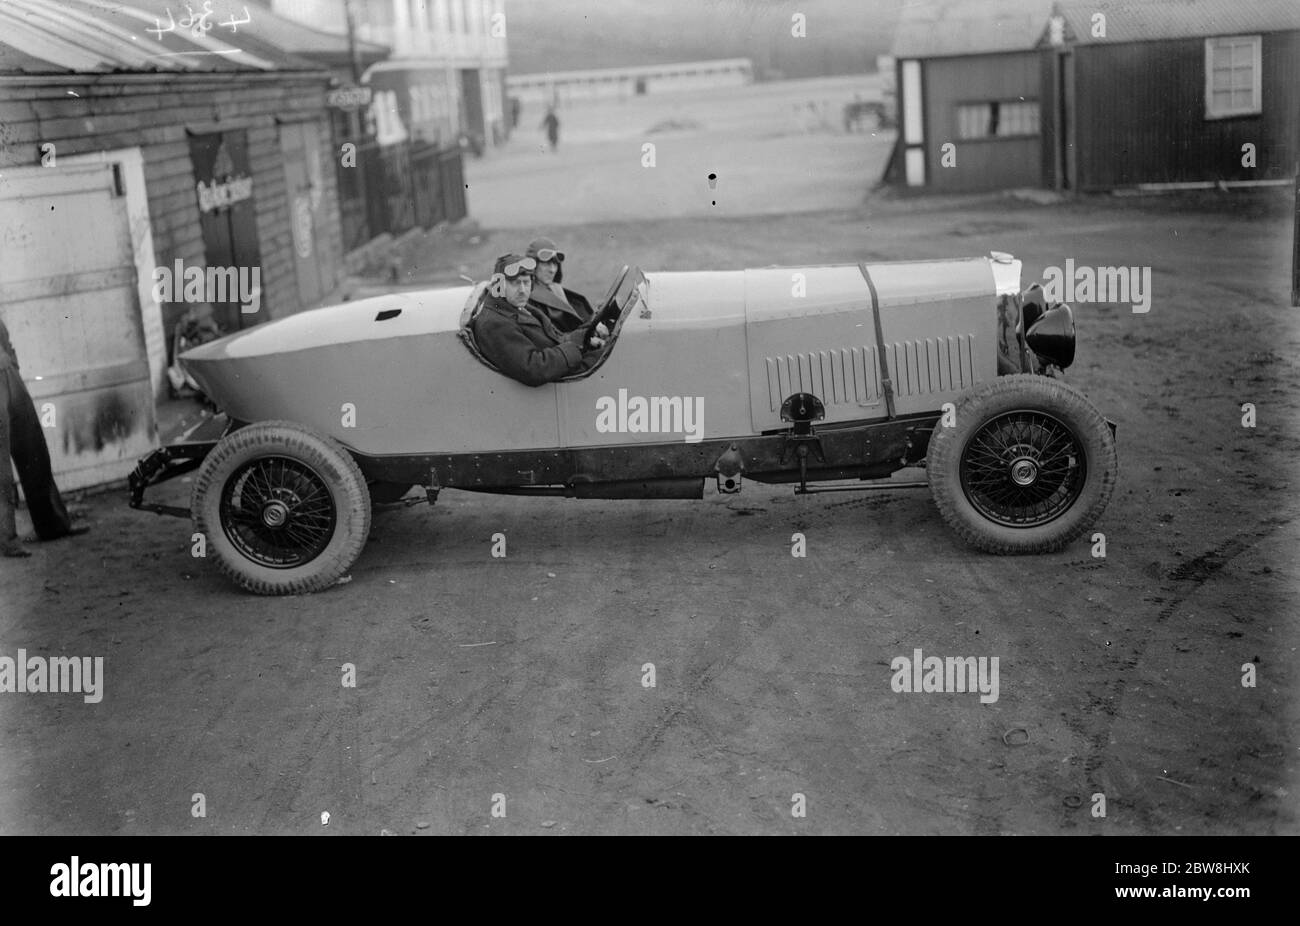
point(277, 512)
point(1023, 468)
point(284, 508)
point(1028, 466)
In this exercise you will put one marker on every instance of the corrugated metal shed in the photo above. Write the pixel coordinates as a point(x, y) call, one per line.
point(946, 28)
point(1157, 20)
point(943, 28)
point(102, 36)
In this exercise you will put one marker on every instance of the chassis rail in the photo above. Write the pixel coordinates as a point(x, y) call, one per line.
point(163, 464)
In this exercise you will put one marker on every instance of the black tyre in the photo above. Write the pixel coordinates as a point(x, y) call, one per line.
point(284, 509)
point(1029, 466)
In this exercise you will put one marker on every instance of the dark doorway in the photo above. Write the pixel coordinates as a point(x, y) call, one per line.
point(471, 92)
point(227, 215)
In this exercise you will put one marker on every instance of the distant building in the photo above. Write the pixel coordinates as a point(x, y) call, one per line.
point(446, 75)
point(1093, 96)
point(561, 86)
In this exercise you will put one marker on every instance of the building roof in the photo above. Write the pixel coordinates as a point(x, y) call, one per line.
point(946, 28)
point(106, 36)
point(635, 70)
point(1155, 20)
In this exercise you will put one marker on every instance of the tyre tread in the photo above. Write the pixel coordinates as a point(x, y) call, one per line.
point(944, 455)
point(309, 444)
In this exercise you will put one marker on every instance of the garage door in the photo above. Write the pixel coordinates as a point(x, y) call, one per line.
point(68, 295)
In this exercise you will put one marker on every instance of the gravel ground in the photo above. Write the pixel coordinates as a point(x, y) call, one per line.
point(517, 682)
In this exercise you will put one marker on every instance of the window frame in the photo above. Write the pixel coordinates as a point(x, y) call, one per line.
point(1027, 101)
point(1256, 106)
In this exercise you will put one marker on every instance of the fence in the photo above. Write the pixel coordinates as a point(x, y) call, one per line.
point(394, 188)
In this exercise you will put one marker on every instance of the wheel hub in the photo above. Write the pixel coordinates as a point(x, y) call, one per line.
point(275, 514)
point(1024, 471)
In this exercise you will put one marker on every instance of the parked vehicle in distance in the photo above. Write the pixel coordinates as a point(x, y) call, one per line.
point(800, 375)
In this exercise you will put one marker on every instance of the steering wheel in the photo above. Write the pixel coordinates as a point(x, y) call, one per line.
point(599, 315)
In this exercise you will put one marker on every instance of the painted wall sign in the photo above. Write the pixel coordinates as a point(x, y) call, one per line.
point(348, 97)
point(217, 195)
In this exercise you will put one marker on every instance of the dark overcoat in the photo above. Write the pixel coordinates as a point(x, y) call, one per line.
point(524, 345)
point(564, 317)
point(22, 437)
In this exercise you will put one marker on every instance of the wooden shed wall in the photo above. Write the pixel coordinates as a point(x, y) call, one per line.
point(1140, 115)
point(982, 164)
point(157, 115)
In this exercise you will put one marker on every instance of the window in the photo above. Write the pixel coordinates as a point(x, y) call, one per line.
point(997, 119)
point(1232, 76)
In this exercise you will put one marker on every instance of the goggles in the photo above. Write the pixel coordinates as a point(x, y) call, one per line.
point(545, 254)
point(519, 267)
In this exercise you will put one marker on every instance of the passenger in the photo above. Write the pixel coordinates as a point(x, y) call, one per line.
point(566, 309)
point(522, 343)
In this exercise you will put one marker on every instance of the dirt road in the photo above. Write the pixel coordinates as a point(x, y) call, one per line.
point(518, 683)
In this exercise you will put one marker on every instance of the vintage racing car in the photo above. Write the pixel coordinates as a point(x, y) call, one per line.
point(798, 375)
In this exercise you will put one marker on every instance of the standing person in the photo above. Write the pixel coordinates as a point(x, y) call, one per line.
point(566, 309)
point(21, 436)
point(551, 123)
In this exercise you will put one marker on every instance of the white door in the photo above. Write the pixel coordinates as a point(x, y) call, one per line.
point(69, 297)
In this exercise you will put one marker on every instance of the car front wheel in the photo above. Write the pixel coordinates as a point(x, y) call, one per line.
point(1028, 466)
point(283, 509)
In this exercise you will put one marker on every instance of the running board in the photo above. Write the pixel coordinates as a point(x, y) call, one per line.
point(863, 488)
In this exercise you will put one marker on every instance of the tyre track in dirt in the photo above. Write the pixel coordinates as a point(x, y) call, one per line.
point(1180, 584)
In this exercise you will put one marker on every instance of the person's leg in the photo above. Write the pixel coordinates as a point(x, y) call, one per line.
point(27, 438)
point(9, 545)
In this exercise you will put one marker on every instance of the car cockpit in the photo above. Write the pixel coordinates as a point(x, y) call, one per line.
point(627, 292)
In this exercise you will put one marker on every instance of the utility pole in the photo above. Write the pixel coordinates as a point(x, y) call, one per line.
point(1295, 246)
point(353, 54)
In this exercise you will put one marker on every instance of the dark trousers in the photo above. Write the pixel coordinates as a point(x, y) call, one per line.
point(22, 438)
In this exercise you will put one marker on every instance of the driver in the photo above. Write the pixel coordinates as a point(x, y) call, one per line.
point(566, 309)
point(520, 341)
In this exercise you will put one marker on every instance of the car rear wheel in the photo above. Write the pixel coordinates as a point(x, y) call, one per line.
point(1029, 466)
point(284, 509)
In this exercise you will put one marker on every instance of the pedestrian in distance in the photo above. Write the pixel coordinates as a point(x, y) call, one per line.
point(551, 123)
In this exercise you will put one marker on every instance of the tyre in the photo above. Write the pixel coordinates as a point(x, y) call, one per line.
point(1029, 466)
point(284, 509)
